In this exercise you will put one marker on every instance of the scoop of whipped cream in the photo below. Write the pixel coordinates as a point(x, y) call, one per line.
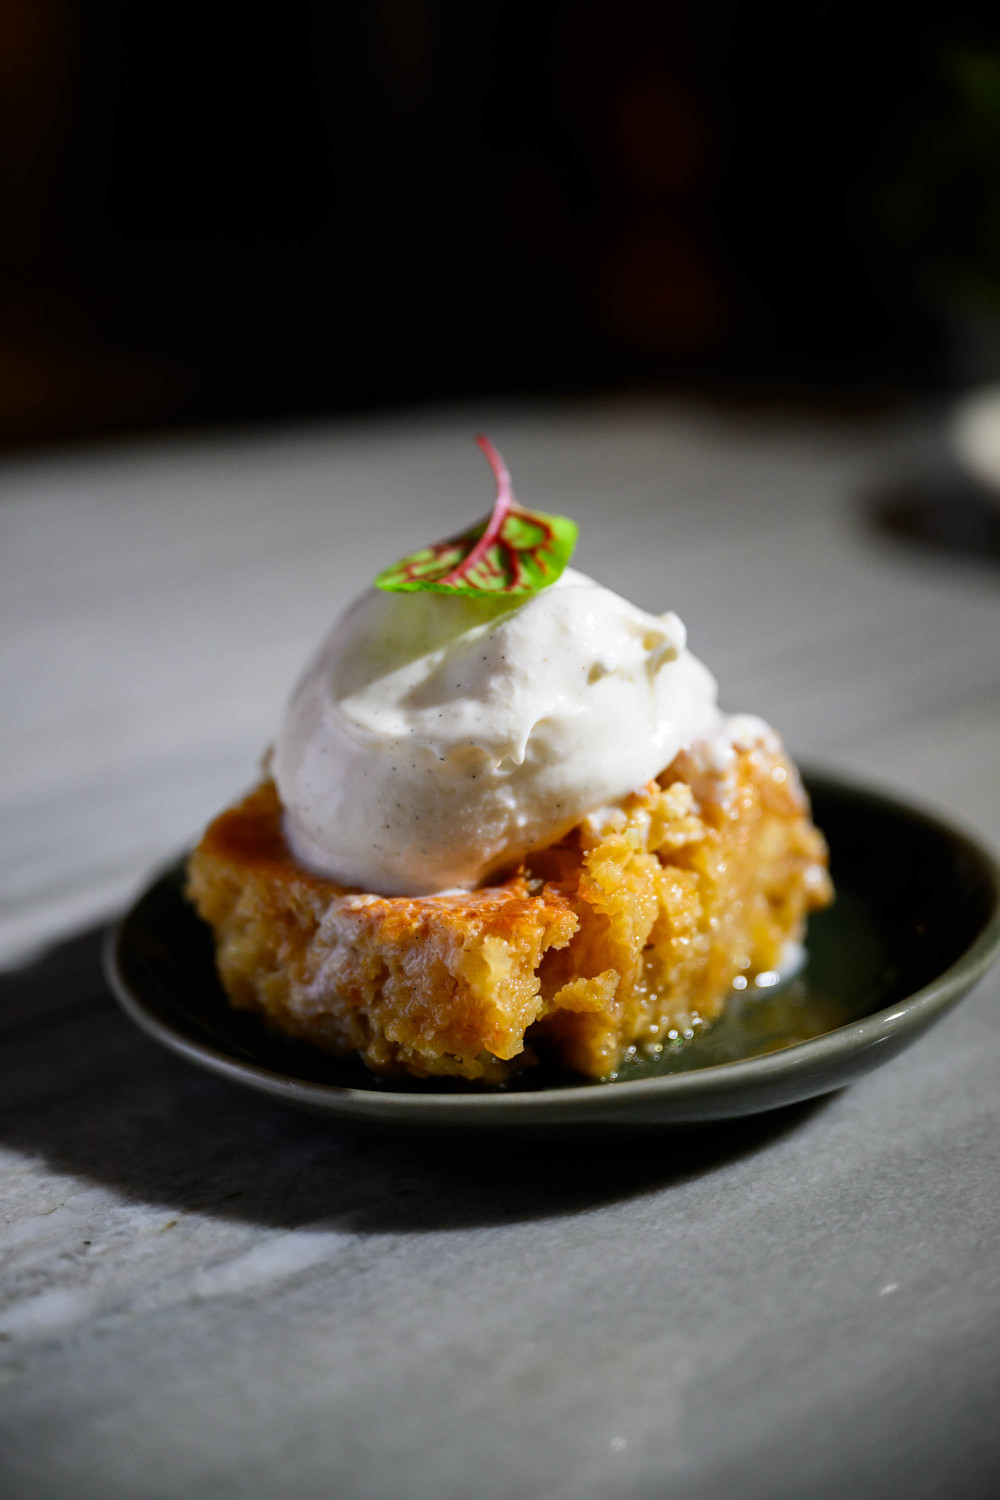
point(436, 739)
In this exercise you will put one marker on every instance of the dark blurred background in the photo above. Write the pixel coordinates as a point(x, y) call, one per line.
point(225, 213)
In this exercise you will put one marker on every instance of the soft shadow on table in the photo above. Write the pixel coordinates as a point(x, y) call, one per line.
point(947, 516)
point(89, 1095)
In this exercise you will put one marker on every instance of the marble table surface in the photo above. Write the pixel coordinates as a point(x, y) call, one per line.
point(204, 1293)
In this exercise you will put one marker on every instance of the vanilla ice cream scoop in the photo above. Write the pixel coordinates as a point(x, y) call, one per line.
point(436, 739)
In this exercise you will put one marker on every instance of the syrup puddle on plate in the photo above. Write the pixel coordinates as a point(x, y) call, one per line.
point(815, 995)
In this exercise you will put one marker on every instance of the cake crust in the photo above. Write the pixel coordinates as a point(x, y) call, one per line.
point(633, 925)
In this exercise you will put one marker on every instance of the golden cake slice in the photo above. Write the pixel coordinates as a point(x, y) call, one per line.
point(632, 926)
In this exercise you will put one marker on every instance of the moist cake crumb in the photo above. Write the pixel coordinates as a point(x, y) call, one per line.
point(628, 932)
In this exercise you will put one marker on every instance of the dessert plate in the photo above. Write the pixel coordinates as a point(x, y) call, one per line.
point(916, 923)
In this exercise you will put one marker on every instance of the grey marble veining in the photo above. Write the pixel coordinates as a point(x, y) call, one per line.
point(203, 1293)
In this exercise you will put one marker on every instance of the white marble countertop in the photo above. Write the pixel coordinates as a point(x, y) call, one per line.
point(203, 1293)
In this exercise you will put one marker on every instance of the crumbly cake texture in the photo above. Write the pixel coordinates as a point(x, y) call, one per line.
point(633, 926)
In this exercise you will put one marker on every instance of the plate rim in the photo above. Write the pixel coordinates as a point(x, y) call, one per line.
point(914, 1011)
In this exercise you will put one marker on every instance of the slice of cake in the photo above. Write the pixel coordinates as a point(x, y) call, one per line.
point(630, 927)
point(508, 824)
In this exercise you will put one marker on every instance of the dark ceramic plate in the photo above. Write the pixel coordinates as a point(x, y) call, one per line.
point(915, 924)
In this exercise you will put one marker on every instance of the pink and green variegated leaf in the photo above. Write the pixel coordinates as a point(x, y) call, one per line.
point(514, 552)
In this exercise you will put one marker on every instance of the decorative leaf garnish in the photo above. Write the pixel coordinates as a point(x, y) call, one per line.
point(516, 551)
